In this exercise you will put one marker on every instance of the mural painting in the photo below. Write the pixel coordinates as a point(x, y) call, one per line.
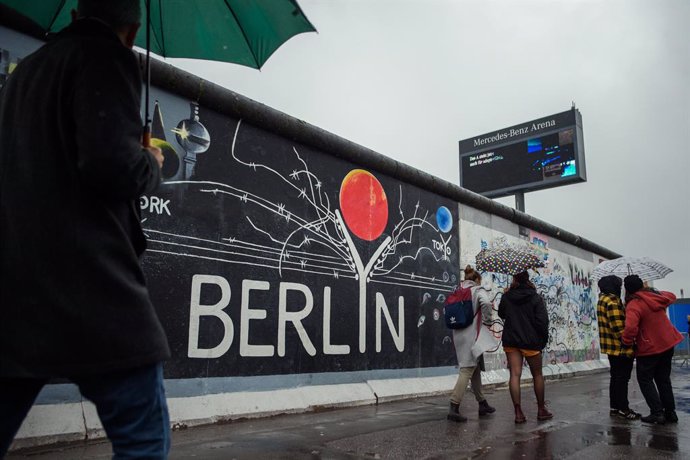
point(563, 283)
point(268, 257)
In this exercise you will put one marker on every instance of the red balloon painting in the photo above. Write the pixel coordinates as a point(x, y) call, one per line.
point(364, 204)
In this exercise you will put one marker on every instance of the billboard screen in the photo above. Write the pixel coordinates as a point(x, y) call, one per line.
point(539, 154)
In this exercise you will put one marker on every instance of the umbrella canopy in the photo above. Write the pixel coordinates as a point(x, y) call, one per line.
point(646, 268)
point(244, 32)
point(507, 260)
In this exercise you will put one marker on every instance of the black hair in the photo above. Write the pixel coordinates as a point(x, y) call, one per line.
point(610, 285)
point(633, 283)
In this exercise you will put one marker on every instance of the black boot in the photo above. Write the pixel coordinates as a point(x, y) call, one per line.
point(454, 413)
point(657, 419)
point(485, 409)
point(671, 416)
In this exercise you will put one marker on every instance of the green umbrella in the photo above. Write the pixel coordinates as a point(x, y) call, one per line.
point(244, 32)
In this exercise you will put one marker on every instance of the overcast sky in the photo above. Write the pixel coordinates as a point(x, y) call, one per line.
point(410, 78)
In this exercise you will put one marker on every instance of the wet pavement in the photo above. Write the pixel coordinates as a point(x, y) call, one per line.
point(418, 429)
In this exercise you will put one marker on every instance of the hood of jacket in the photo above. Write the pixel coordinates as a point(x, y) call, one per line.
point(468, 284)
point(520, 294)
point(654, 299)
point(87, 27)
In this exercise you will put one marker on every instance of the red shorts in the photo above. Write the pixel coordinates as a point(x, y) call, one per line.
point(526, 353)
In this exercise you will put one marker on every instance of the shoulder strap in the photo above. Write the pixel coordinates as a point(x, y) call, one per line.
point(479, 322)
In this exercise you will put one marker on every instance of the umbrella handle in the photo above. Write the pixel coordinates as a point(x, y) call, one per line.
point(146, 135)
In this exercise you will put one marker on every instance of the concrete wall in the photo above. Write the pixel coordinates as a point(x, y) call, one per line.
point(295, 270)
point(564, 284)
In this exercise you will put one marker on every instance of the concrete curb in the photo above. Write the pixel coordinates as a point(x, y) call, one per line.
point(63, 423)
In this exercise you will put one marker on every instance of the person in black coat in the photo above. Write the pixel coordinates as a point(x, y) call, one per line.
point(73, 298)
point(525, 334)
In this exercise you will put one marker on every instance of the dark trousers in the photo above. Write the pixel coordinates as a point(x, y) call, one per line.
point(131, 405)
point(654, 378)
point(621, 368)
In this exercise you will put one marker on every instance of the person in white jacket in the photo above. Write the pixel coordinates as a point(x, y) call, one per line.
point(470, 343)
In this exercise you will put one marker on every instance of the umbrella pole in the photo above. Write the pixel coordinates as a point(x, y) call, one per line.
point(146, 138)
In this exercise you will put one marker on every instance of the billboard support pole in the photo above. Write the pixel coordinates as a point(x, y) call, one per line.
point(520, 201)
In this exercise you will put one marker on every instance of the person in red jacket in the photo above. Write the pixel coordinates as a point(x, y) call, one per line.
point(648, 327)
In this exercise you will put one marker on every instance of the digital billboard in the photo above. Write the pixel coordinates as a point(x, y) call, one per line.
point(538, 154)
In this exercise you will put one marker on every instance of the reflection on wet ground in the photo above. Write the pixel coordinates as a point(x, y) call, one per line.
point(565, 441)
point(418, 429)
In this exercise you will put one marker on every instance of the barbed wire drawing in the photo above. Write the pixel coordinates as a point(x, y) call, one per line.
point(301, 230)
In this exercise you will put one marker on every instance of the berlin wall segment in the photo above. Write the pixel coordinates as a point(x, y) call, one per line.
point(271, 256)
point(257, 263)
point(235, 276)
point(268, 257)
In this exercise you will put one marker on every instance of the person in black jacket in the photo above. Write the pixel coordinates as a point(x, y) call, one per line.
point(525, 334)
point(73, 298)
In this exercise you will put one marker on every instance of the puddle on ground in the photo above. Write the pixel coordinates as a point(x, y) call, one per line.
point(563, 441)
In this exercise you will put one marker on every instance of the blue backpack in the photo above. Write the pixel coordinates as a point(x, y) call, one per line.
point(458, 310)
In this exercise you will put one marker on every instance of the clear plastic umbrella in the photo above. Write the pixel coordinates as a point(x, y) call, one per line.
point(646, 268)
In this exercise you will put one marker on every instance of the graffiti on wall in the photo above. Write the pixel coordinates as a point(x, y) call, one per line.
point(564, 285)
point(268, 257)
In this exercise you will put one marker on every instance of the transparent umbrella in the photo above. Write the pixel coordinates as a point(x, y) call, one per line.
point(646, 268)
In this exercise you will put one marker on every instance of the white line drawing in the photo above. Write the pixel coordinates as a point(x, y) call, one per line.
point(312, 238)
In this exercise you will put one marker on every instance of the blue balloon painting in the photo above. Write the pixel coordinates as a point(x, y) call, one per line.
point(444, 219)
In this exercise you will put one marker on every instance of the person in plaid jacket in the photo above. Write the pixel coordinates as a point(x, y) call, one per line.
point(611, 319)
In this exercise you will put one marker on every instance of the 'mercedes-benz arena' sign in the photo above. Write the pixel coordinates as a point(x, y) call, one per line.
point(513, 132)
point(538, 154)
